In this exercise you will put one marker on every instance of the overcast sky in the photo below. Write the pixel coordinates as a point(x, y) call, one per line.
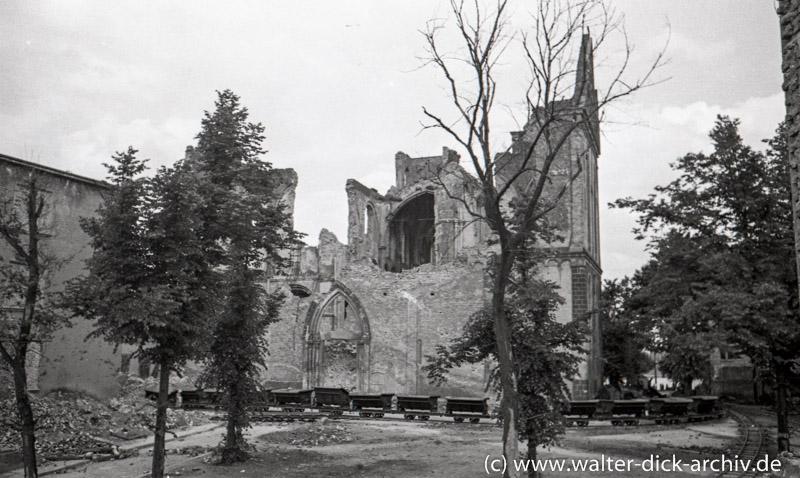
point(339, 88)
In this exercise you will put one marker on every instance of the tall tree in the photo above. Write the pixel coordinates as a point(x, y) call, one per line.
point(149, 284)
point(730, 211)
point(665, 290)
point(531, 172)
point(626, 335)
point(246, 227)
point(547, 353)
point(27, 312)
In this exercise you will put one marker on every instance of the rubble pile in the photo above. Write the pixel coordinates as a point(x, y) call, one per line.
point(312, 435)
point(75, 426)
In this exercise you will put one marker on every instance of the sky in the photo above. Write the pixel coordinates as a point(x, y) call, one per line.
point(340, 86)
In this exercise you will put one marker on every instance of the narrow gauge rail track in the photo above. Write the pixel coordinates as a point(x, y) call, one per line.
point(753, 444)
point(279, 416)
point(311, 416)
point(642, 421)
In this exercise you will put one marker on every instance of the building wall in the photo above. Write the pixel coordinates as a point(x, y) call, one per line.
point(68, 360)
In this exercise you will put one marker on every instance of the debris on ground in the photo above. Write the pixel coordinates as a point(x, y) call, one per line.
point(312, 435)
point(71, 425)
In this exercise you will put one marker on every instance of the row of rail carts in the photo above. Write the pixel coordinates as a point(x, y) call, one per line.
point(664, 411)
point(283, 403)
point(337, 401)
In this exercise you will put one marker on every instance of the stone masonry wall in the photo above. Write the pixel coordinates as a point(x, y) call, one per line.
point(409, 313)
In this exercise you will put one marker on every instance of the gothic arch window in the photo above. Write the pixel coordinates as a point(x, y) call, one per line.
point(371, 229)
point(338, 342)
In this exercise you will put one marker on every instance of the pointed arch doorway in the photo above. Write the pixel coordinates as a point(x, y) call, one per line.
point(337, 342)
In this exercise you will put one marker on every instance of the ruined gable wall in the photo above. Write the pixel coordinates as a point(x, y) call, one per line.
point(409, 314)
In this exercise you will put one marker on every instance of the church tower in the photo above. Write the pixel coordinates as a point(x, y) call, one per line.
point(573, 260)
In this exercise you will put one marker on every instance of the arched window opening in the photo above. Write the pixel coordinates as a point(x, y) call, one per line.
point(369, 215)
point(299, 290)
point(412, 233)
point(337, 343)
point(372, 235)
point(337, 320)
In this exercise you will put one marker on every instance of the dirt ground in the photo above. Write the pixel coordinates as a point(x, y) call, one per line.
point(395, 449)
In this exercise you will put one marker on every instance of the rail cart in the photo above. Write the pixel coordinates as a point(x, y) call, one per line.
point(583, 410)
point(372, 404)
point(703, 405)
point(262, 401)
point(467, 407)
point(623, 412)
point(292, 399)
point(422, 406)
point(334, 400)
point(669, 410)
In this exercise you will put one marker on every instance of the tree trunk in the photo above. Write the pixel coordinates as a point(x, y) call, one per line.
point(505, 357)
point(532, 472)
point(687, 386)
point(231, 452)
point(781, 383)
point(159, 451)
point(26, 417)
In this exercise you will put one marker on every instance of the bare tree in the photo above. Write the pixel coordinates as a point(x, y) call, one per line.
point(522, 185)
point(26, 315)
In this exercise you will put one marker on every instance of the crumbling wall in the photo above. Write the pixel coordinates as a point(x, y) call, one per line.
point(410, 313)
point(286, 341)
point(455, 193)
point(367, 228)
point(332, 255)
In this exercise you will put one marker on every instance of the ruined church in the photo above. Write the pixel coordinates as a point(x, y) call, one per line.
point(365, 314)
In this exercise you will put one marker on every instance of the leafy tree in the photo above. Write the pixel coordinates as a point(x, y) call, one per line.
point(733, 268)
point(245, 227)
point(665, 292)
point(547, 354)
point(149, 284)
point(28, 313)
point(626, 335)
